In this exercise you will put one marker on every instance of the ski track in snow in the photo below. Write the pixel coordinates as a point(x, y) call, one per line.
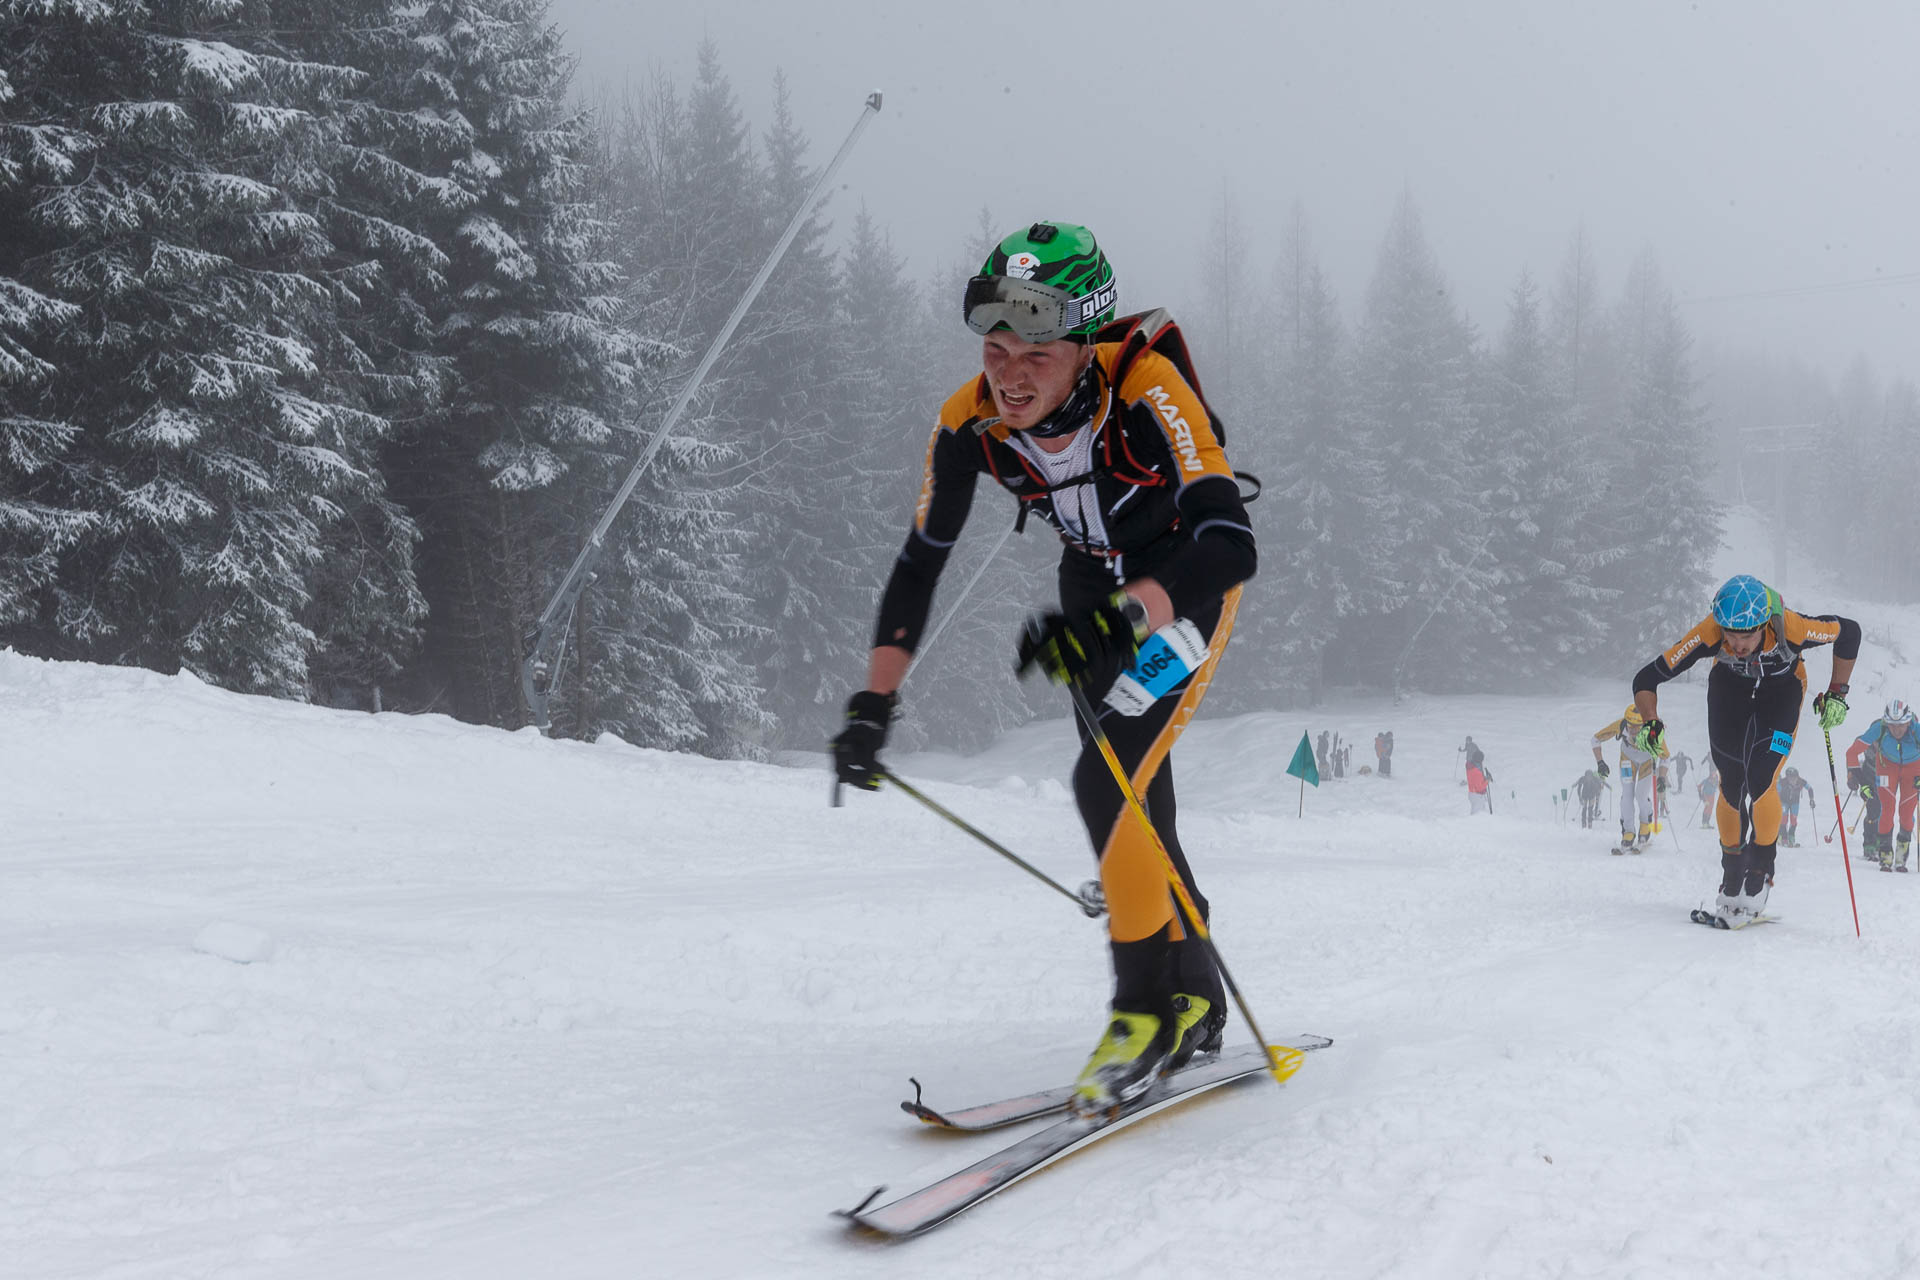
point(552, 1009)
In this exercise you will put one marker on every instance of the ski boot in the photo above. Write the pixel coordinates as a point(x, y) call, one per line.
point(1132, 1054)
point(1733, 910)
point(1202, 1028)
point(1900, 854)
point(1625, 845)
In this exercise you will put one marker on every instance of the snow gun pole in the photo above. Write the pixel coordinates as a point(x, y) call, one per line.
point(1087, 904)
point(1281, 1061)
point(539, 673)
point(1846, 858)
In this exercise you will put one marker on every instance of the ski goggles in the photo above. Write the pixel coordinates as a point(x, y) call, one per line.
point(1035, 312)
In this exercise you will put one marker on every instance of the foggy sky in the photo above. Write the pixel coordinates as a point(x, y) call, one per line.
point(1754, 146)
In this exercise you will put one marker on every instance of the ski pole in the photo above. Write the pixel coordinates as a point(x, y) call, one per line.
point(1840, 818)
point(1086, 903)
point(1278, 1065)
point(1846, 859)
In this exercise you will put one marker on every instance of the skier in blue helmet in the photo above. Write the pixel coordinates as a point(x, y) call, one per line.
point(1754, 695)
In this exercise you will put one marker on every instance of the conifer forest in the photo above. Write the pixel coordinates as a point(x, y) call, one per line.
point(328, 331)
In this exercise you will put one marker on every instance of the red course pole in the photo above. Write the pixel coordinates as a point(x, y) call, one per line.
point(1846, 859)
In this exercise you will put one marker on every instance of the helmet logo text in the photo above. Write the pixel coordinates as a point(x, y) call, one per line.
point(1021, 266)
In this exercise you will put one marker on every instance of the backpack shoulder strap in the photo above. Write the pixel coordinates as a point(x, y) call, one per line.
point(1156, 330)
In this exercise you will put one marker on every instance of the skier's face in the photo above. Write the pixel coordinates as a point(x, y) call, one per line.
point(1741, 644)
point(1029, 380)
point(1898, 728)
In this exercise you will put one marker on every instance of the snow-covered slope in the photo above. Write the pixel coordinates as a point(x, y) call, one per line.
point(520, 1008)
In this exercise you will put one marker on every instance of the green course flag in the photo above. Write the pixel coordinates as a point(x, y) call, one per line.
point(1303, 769)
point(1303, 766)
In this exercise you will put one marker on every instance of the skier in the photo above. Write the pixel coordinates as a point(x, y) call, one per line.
point(1588, 788)
point(1479, 789)
point(1109, 443)
point(1862, 781)
point(1383, 752)
point(1892, 781)
point(1326, 765)
point(1637, 765)
point(1753, 709)
point(1708, 788)
point(1793, 789)
point(1681, 763)
point(1474, 754)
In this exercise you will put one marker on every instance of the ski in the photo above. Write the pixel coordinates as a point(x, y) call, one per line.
point(1713, 921)
point(1042, 1102)
point(937, 1202)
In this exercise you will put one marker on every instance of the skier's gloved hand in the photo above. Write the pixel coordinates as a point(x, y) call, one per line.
point(1089, 647)
point(1652, 737)
point(1600, 767)
point(856, 748)
point(1831, 707)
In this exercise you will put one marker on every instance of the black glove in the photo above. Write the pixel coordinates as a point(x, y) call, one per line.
point(1600, 767)
point(1088, 648)
point(857, 747)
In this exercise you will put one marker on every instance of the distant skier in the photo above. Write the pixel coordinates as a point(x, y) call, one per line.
point(1320, 751)
point(1093, 425)
point(1637, 765)
point(1889, 751)
point(1753, 710)
point(1863, 782)
point(1479, 789)
point(1793, 789)
point(1681, 763)
point(1708, 789)
point(1474, 754)
point(1383, 752)
point(1590, 787)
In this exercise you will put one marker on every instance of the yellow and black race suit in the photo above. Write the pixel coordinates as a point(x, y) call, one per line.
point(1156, 498)
point(1753, 711)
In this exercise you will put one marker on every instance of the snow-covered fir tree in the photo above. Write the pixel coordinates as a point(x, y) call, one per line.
point(195, 423)
point(810, 516)
point(1416, 392)
point(509, 472)
point(1663, 517)
point(1319, 520)
point(1541, 483)
point(682, 194)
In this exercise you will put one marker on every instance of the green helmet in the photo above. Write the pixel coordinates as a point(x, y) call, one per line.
point(1045, 283)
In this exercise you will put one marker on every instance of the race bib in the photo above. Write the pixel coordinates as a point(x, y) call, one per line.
point(1169, 656)
point(1782, 742)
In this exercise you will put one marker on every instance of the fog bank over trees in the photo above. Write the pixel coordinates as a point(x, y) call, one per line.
point(324, 344)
